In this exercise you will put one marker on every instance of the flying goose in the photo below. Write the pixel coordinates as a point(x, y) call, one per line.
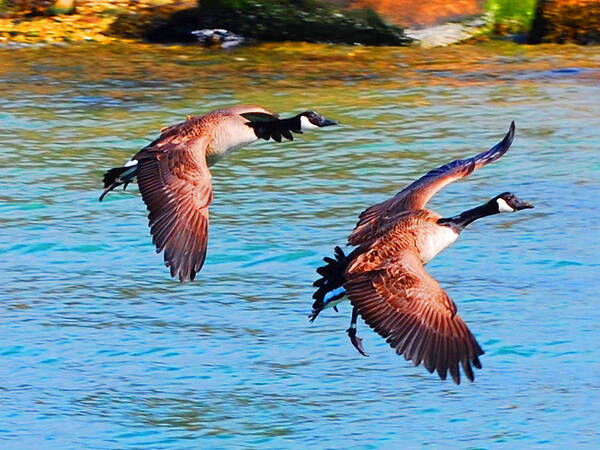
point(385, 279)
point(175, 183)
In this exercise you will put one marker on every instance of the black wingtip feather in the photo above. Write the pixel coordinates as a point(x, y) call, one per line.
point(511, 133)
point(507, 141)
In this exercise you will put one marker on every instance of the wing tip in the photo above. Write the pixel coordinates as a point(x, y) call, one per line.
point(179, 272)
point(511, 131)
point(184, 269)
point(497, 150)
point(504, 145)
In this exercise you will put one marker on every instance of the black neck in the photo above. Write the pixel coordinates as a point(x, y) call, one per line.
point(459, 222)
point(293, 124)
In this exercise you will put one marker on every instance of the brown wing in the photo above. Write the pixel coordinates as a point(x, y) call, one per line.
point(196, 125)
point(417, 194)
point(409, 309)
point(175, 184)
point(192, 127)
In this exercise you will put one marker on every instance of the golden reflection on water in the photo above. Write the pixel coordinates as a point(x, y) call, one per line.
point(286, 65)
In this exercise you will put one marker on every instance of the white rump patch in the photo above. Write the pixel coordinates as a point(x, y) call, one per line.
point(131, 162)
point(503, 206)
point(306, 124)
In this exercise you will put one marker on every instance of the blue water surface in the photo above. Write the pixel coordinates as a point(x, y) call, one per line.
point(100, 348)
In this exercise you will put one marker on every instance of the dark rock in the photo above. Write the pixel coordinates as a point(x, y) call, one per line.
point(285, 20)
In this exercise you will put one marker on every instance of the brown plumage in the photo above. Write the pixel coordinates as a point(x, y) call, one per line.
point(395, 296)
point(176, 187)
point(417, 194)
point(175, 182)
point(385, 279)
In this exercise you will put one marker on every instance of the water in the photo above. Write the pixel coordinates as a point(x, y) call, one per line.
point(101, 349)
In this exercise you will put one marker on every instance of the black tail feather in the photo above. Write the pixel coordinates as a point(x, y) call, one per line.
point(332, 277)
point(112, 179)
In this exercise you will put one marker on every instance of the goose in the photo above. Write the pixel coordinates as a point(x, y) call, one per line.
point(175, 182)
point(385, 279)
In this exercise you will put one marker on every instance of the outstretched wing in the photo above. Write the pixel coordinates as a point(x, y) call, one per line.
point(409, 309)
point(175, 184)
point(417, 194)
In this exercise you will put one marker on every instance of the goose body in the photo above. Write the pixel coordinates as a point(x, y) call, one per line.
point(419, 229)
point(384, 277)
point(174, 178)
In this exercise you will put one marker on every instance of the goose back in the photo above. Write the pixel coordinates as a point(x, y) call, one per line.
point(416, 230)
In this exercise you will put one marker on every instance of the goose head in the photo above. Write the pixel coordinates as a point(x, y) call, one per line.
point(503, 203)
point(311, 120)
point(508, 202)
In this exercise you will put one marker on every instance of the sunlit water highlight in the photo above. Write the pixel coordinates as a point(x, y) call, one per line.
point(100, 348)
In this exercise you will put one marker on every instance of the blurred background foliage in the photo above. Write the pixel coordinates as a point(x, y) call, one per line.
point(371, 22)
point(37, 7)
point(563, 21)
point(32, 7)
point(510, 16)
point(276, 20)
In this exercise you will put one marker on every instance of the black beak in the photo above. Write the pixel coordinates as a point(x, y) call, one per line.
point(327, 122)
point(520, 204)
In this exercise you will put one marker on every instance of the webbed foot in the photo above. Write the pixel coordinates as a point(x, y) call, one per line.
point(356, 341)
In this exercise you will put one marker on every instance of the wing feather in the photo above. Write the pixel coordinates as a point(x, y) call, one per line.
point(408, 308)
point(418, 193)
point(175, 184)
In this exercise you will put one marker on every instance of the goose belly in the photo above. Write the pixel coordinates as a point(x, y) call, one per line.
point(434, 240)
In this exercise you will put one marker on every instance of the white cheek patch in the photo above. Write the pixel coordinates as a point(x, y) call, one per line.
point(503, 206)
point(306, 124)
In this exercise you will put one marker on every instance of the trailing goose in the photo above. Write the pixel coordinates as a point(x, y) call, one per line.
point(385, 279)
point(175, 183)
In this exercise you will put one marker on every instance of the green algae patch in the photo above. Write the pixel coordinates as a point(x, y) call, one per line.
point(510, 16)
point(286, 20)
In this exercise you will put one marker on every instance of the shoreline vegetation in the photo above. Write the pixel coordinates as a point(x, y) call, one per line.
point(280, 20)
point(325, 21)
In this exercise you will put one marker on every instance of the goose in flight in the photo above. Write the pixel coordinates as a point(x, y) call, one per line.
point(385, 279)
point(175, 182)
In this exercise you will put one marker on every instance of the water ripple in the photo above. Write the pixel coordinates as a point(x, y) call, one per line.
point(101, 349)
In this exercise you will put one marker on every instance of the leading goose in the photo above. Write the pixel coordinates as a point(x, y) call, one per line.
point(175, 183)
point(385, 279)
